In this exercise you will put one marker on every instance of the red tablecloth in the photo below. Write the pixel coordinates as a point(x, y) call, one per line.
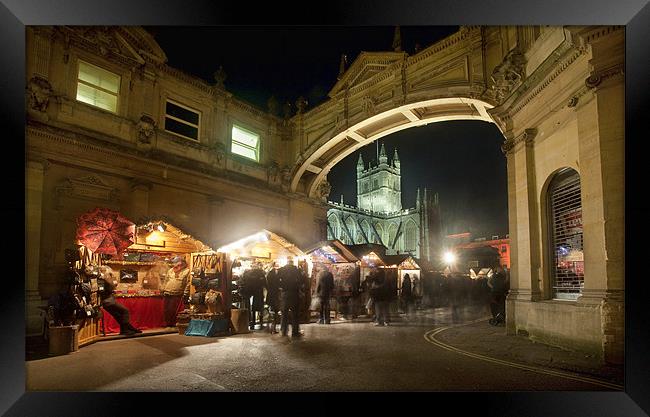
point(145, 313)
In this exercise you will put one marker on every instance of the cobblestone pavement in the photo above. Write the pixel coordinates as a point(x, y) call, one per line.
point(343, 356)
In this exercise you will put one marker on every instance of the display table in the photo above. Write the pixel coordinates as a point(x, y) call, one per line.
point(146, 313)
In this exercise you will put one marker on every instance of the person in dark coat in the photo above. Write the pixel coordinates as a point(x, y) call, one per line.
point(273, 298)
point(498, 289)
point(254, 282)
point(324, 289)
point(118, 311)
point(290, 286)
point(380, 293)
point(407, 298)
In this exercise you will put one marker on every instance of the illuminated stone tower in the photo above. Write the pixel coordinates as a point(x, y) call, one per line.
point(378, 187)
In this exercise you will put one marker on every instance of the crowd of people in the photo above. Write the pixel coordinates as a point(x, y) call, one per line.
point(282, 290)
point(283, 295)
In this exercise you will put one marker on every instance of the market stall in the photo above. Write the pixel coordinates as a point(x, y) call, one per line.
point(265, 250)
point(142, 271)
point(344, 266)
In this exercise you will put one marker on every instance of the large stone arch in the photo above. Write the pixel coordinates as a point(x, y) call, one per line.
point(335, 149)
point(556, 94)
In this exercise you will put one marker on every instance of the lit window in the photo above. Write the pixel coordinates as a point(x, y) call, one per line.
point(245, 143)
point(97, 87)
point(181, 120)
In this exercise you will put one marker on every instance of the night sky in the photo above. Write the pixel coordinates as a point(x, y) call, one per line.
point(460, 160)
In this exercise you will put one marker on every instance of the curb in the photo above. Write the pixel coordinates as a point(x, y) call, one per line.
point(430, 337)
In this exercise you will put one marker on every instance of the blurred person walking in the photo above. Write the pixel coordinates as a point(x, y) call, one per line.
point(290, 281)
point(324, 289)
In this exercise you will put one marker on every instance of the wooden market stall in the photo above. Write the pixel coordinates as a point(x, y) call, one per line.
point(140, 272)
point(343, 264)
point(263, 247)
point(405, 264)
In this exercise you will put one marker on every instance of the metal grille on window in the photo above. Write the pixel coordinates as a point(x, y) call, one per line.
point(566, 228)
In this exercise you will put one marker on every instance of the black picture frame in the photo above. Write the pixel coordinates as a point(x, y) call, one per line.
point(634, 14)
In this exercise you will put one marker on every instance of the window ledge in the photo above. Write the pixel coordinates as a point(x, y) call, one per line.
point(96, 108)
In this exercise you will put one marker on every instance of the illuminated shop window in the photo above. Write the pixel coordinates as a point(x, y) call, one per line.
point(182, 120)
point(245, 143)
point(97, 87)
point(565, 215)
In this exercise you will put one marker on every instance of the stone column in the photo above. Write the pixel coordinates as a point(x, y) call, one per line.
point(34, 178)
point(601, 119)
point(523, 213)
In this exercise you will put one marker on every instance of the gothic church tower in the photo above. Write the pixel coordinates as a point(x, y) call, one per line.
point(379, 187)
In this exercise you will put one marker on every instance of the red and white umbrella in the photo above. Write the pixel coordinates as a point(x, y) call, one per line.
point(105, 231)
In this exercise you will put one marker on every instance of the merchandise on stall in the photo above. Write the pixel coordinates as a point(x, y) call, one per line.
point(208, 314)
point(148, 281)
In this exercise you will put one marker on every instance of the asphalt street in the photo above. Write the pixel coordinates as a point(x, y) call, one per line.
point(343, 356)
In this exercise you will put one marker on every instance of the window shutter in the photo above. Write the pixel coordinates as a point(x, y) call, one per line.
point(566, 236)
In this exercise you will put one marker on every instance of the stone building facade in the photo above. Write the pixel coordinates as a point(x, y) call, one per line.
point(81, 156)
point(154, 141)
point(379, 217)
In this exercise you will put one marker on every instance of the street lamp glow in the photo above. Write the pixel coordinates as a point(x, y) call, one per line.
point(449, 258)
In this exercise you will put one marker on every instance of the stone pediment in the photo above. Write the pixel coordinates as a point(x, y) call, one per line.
point(367, 65)
point(131, 42)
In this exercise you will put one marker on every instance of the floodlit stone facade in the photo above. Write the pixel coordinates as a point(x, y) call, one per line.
point(556, 93)
point(379, 217)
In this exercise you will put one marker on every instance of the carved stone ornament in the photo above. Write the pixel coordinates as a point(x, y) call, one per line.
point(506, 75)
point(146, 129)
point(40, 92)
point(286, 177)
point(301, 104)
point(89, 187)
point(324, 189)
point(368, 105)
point(220, 76)
point(593, 81)
point(104, 38)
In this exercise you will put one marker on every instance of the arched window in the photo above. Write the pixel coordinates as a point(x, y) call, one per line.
point(350, 223)
point(410, 236)
point(367, 230)
point(392, 231)
point(380, 232)
point(334, 227)
point(565, 235)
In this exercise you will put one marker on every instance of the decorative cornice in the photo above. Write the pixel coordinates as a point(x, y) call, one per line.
point(600, 32)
